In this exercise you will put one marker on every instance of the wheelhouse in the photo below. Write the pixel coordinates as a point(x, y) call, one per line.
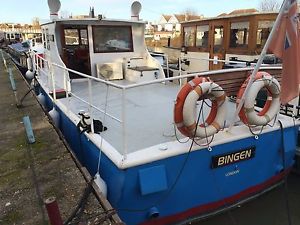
point(239, 36)
point(108, 49)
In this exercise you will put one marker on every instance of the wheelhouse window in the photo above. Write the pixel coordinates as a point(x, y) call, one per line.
point(189, 36)
point(263, 31)
point(218, 38)
point(83, 37)
point(202, 36)
point(71, 36)
point(239, 33)
point(112, 39)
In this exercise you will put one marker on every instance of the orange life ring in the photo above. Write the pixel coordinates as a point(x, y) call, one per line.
point(272, 95)
point(179, 104)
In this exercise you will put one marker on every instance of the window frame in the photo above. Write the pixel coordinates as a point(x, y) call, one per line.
point(203, 48)
point(244, 45)
point(129, 27)
point(78, 35)
point(192, 27)
point(260, 46)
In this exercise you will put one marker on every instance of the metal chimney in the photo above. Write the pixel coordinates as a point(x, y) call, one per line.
point(54, 7)
point(135, 10)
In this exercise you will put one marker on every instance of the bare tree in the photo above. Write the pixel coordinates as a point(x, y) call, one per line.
point(269, 5)
point(36, 22)
point(190, 12)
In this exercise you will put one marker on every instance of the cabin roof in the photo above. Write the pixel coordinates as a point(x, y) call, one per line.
point(243, 11)
point(233, 14)
point(92, 21)
point(183, 17)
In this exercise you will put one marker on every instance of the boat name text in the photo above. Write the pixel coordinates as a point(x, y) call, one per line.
point(233, 157)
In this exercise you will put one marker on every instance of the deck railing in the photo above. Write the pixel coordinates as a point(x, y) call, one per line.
point(47, 68)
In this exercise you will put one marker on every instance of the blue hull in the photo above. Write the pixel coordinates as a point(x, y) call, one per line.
point(175, 191)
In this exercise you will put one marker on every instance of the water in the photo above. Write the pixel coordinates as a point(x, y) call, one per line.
point(268, 209)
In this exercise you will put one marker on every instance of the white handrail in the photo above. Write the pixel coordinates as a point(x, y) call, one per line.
point(95, 107)
point(73, 94)
point(222, 60)
point(130, 86)
point(206, 73)
point(90, 77)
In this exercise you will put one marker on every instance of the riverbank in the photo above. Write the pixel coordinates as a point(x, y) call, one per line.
point(31, 173)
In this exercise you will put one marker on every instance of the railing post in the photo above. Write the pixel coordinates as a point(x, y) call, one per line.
point(180, 72)
point(53, 81)
point(168, 69)
point(124, 123)
point(67, 88)
point(90, 104)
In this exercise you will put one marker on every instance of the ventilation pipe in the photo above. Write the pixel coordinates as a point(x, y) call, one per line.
point(135, 11)
point(54, 6)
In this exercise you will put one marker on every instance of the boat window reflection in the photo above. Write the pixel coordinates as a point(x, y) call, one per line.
point(83, 37)
point(71, 37)
point(239, 34)
point(189, 36)
point(218, 38)
point(263, 31)
point(112, 39)
point(202, 36)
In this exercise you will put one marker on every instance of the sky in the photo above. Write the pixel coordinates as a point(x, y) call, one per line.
point(17, 11)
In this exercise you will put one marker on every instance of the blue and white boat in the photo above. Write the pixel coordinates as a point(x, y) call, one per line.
point(163, 152)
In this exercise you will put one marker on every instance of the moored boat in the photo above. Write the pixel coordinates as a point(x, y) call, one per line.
point(163, 152)
point(19, 53)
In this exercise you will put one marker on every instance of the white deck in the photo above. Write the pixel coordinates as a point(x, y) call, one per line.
point(148, 113)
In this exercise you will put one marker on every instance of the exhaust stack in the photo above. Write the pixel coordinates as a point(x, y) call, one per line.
point(135, 11)
point(54, 7)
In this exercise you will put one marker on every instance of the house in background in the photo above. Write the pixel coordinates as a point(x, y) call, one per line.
point(171, 23)
point(166, 28)
point(163, 20)
point(174, 23)
point(17, 32)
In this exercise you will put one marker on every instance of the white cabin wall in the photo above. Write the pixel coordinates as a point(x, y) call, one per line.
point(139, 51)
point(53, 56)
point(199, 64)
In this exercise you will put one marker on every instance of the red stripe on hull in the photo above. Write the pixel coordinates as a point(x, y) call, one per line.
point(209, 208)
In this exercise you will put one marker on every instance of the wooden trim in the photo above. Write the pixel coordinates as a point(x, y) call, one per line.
point(232, 81)
point(251, 49)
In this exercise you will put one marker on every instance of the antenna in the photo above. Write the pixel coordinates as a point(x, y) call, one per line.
point(135, 10)
point(54, 7)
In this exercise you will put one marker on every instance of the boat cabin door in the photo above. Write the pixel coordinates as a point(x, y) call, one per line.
point(216, 45)
point(75, 49)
